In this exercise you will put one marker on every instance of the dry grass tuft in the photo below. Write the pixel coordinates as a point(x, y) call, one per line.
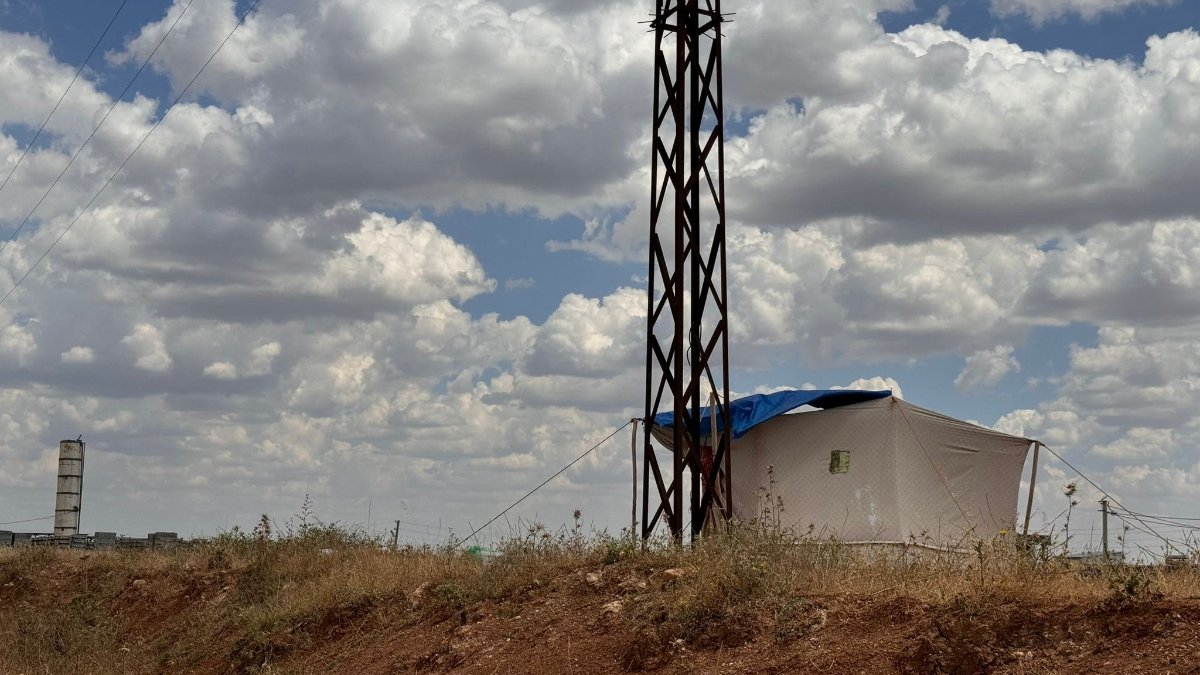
point(243, 602)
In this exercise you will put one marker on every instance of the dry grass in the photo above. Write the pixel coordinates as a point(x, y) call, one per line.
point(240, 603)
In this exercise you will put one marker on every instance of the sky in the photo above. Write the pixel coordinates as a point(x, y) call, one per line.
point(391, 253)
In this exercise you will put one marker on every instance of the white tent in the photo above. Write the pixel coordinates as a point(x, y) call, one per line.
point(877, 471)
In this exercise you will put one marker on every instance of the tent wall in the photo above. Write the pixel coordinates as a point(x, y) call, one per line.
point(914, 475)
point(960, 477)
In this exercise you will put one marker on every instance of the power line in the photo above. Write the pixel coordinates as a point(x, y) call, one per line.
point(1168, 518)
point(92, 135)
point(1158, 520)
point(1102, 491)
point(1170, 543)
point(61, 98)
point(171, 107)
point(545, 482)
point(27, 520)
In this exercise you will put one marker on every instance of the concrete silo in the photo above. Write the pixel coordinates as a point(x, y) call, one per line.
point(70, 487)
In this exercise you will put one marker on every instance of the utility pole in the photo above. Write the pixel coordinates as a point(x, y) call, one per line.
point(687, 342)
point(396, 536)
point(1104, 526)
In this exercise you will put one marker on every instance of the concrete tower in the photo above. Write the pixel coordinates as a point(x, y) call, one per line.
point(70, 487)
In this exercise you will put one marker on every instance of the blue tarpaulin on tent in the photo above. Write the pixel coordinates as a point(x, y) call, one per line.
point(753, 410)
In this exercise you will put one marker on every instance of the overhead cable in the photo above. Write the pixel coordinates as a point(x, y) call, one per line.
point(1158, 517)
point(171, 107)
point(92, 135)
point(1102, 491)
point(70, 84)
point(27, 520)
point(1156, 520)
point(545, 482)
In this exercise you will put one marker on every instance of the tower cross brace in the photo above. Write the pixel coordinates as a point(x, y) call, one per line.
point(687, 345)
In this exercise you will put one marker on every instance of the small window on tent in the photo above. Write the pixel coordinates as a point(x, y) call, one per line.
point(839, 461)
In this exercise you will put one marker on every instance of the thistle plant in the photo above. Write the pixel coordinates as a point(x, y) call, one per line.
point(1069, 491)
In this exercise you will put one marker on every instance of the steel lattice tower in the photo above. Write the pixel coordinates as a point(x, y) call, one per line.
point(687, 323)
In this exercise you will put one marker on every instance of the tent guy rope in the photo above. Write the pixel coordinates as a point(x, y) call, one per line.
point(1105, 493)
point(547, 481)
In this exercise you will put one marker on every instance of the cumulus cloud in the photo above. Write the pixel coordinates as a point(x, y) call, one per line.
point(1139, 443)
point(928, 131)
point(876, 383)
point(262, 358)
point(1124, 413)
point(410, 262)
point(834, 295)
point(17, 343)
point(78, 355)
point(585, 336)
point(539, 121)
point(221, 370)
point(148, 346)
point(985, 368)
point(262, 324)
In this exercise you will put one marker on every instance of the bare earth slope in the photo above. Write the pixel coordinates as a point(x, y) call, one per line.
point(367, 612)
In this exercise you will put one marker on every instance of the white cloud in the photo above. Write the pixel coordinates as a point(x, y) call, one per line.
point(876, 383)
point(1058, 428)
point(927, 132)
point(549, 120)
point(410, 262)
point(17, 343)
point(262, 358)
point(1139, 443)
point(1041, 11)
point(221, 370)
point(589, 337)
point(985, 368)
point(147, 344)
point(78, 355)
point(835, 296)
point(931, 195)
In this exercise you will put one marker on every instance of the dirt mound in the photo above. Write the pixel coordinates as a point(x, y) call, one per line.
point(1154, 636)
point(368, 613)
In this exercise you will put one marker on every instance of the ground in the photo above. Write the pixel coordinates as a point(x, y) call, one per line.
point(328, 611)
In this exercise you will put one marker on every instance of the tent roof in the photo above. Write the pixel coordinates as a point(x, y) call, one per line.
point(751, 411)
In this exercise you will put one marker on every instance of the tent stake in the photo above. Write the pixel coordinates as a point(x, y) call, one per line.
point(1032, 481)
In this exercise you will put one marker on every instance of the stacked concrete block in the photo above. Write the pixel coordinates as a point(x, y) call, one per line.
point(6, 538)
point(22, 538)
point(163, 540)
point(105, 541)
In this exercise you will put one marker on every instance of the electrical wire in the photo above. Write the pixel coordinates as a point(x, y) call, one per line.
point(1159, 521)
point(92, 135)
point(1173, 519)
point(545, 482)
point(27, 520)
point(171, 107)
point(46, 121)
point(1170, 544)
point(1100, 489)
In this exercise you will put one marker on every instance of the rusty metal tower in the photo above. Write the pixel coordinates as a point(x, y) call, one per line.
point(687, 343)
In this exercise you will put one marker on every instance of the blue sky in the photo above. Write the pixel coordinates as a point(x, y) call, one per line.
point(1119, 35)
point(358, 264)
